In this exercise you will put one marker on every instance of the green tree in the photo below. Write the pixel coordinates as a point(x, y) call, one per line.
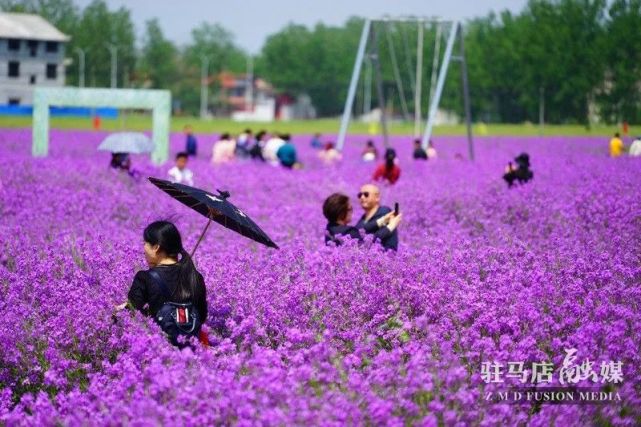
point(619, 97)
point(158, 65)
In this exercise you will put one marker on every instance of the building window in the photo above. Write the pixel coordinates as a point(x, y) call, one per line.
point(52, 71)
point(14, 69)
point(14, 44)
point(14, 101)
point(52, 47)
point(33, 47)
point(32, 80)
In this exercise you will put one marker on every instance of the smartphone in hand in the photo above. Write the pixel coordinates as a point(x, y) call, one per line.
point(395, 208)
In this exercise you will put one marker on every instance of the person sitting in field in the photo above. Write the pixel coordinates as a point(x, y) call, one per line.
point(171, 291)
point(419, 153)
point(388, 171)
point(122, 162)
point(223, 150)
point(286, 154)
point(616, 146)
point(376, 217)
point(635, 148)
point(256, 150)
point(370, 153)
point(243, 144)
point(329, 154)
point(316, 141)
point(179, 173)
point(431, 151)
point(338, 210)
point(521, 173)
point(191, 144)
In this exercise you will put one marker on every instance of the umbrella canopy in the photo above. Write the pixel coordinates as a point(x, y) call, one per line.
point(127, 142)
point(216, 208)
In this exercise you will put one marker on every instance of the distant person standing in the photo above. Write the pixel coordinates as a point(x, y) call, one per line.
point(616, 146)
point(191, 144)
point(223, 150)
point(287, 152)
point(431, 151)
point(272, 146)
point(179, 173)
point(388, 171)
point(370, 153)
point(329, 154)
point(316, 141)
point(243, 144)
point(419, 153)
point(376, 216)
point(635, 148)
point(256, 150)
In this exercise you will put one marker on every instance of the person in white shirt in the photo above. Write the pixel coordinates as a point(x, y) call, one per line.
point(179, 173)
point(635, 148)
point(271, 148)
point(223, 150)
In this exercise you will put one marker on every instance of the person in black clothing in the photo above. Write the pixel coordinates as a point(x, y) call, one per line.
point(522, 173)
point(419, 153)
point(338, 211)
point(163, 246)
point(377, 217)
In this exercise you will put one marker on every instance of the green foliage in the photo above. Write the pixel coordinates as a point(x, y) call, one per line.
point(158, 59)
point(572, 57)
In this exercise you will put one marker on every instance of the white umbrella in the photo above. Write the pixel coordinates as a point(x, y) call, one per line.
point(127, 142)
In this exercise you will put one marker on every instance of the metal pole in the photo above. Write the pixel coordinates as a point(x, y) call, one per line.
point(351, 93)
point(379, 87)
point(419, 81)
point(466, 95)
point(249, 93)
point(397, 74)
point(114, 64)
point(541, 109)
point(435, 60)
point(367, 87)
point(81, 67)
point(203, 86)
point(408, 58)
point(439, 85)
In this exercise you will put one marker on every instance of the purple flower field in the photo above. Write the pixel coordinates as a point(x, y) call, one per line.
point(316, 335)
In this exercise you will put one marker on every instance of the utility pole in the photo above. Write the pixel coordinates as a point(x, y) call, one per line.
point(203, 86)
point(249, 93)
point(81, 66)
point(114, 64)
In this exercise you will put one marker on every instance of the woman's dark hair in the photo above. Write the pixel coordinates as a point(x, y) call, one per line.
point(335, 207)
point(390, 155)
point(260, 135)
point(166, 236)
point(224, 135)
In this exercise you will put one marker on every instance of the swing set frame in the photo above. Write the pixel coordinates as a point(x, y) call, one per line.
point(371, 32)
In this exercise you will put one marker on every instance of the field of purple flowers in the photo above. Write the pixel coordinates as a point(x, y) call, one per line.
point(315, 335)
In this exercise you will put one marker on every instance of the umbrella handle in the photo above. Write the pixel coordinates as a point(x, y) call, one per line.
point(200, 238)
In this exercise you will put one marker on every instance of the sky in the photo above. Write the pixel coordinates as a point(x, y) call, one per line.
point(251, 21)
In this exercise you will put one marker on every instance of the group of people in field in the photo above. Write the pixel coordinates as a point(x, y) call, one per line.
point(172, 291)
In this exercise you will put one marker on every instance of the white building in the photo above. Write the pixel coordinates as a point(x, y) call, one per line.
point(32, 52)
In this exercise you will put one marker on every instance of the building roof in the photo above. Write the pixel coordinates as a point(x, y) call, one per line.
point(27, 26)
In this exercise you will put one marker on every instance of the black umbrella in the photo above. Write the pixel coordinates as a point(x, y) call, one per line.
point(215, 207)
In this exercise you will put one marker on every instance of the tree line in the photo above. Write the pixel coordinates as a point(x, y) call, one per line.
point(575, 61)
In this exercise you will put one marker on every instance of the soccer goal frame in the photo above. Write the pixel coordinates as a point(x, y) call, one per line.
point(158, 101)
point(370, 32)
